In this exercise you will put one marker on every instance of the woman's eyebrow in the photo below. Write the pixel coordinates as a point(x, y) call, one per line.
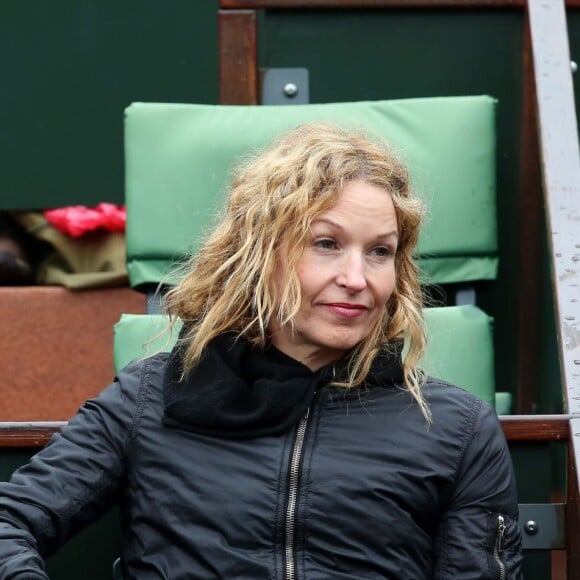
point(333, 224)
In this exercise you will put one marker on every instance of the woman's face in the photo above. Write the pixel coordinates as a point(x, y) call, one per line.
point(347, 275)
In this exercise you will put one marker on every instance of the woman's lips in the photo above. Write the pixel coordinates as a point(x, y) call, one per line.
point(346, 310)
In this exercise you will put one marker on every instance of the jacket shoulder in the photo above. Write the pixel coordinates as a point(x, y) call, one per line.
point(136, 387)
point(444, 397)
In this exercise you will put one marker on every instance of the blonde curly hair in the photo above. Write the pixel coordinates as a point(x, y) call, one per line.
point(227, 284)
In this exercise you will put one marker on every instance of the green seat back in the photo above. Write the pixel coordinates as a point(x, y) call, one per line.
point(178, 160)
point(453, 333)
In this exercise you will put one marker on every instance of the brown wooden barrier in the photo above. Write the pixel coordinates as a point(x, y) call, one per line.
point(56, 348)
point(32, 435)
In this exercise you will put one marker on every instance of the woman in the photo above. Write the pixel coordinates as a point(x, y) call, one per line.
point(285, 437)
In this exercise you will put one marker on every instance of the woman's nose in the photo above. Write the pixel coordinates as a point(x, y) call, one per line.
point(351, 274)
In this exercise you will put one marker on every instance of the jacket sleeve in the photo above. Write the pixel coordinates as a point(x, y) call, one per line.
point(68, 484)
point(479, 536)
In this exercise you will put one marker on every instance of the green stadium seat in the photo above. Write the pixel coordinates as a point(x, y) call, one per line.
point(178, 160)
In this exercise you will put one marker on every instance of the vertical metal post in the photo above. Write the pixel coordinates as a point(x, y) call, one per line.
point(560, 162)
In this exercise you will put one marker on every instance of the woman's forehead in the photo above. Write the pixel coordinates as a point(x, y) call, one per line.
point(359, 200)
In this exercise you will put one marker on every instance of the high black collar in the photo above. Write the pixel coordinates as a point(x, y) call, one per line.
point(240, 392)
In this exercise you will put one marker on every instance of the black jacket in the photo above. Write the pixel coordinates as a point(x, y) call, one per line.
point(354, 487)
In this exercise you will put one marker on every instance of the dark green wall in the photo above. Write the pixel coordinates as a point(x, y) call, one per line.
point(69, 68)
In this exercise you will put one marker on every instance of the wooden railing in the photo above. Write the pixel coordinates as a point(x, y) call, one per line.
point(516, 428)
point(32, 435)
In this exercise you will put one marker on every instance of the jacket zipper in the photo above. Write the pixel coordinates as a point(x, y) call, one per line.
point(498, 548)
point(293, 481)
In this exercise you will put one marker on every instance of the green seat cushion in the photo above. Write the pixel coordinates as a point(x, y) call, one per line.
point(460, 348)
point(178, 159)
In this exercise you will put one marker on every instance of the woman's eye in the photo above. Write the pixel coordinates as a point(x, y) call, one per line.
point(383, 252)
point(325, 244)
